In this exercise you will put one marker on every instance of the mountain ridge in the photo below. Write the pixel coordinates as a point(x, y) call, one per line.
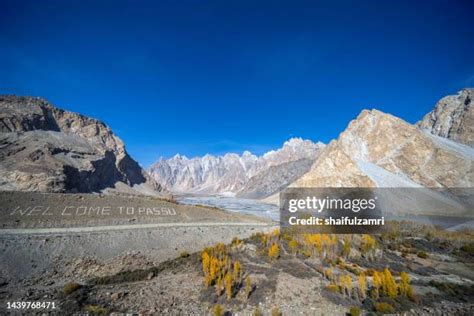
point(229, 173)
point(48, 149)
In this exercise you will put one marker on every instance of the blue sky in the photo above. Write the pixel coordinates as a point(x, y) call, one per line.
point(216, 76)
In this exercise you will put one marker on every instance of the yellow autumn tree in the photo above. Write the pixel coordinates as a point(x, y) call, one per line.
point(368, 244)
point(328, 273)
point(274, 251)
point(218, 310)
point(219, 286)
point(377, 284)
point(314, 243)
point(329, 243)
point(229, 282)
point(389, 285)
point(293, 245)
point(404, 286)
point(346, 247)
point(237, 271)
point(362, 283)
point(345, 283)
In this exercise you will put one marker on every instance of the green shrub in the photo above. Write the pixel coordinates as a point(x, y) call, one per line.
point(257, 312)
point(384, 308)
point(469, 248)
point(70, 287)
point(218, 310)
point(422, 254)
point(333, 288)
point(184, 254)
point(96, 309)
point(354, 311)
point(276, 312)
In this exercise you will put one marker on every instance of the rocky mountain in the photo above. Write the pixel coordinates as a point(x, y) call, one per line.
point(229, 174)
point(380, 150)
point(47, 149)
point(453, 118)
point(383, 151)
point(274, 179)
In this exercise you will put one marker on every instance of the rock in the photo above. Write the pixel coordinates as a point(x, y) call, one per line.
point(150, 276)
point(47, 149)
point(275, 178)
point(116, 296)
point(452, 118)
point(380, 150)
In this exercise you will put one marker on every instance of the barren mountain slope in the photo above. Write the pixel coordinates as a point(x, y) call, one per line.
point(378, 149)
point(43, 148)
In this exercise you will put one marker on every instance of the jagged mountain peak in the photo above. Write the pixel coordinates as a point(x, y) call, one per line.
point(230, 172)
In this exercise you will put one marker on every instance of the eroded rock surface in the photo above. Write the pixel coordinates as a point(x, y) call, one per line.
point(47, 149)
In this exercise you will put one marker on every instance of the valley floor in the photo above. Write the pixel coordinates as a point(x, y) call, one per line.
point(149, 264)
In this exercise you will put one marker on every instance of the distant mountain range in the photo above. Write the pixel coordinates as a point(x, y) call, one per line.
point(246, 175)
point(375, 150)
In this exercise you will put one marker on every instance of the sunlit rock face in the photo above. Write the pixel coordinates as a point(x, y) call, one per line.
point(248, 174)
point(381, 150)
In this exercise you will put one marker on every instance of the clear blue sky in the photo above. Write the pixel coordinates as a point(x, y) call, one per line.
point(217, 76)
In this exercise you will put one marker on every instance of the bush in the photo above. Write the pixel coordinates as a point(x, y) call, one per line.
point(70, 287)
point(293, 244)
point(229, 281)
point(389, 286)
point(218, 310)
point(354, 311)
point(384, 308)
point(346, 247)
point(96, 309)
point(236, 242)
point(345, 284)
point(333, 288)
point(368, 244)
point(276, 312)
point(404, 285)
point(257, 312)
point(184, 254)
point(362, 283)
point(422, 254)
point(469, 248)
point(328, 273)
point(248, 287)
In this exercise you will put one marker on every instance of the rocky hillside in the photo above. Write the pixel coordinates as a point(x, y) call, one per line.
point(232, 173)
point(380, 150)
point(452, 118)
point(43, 148)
